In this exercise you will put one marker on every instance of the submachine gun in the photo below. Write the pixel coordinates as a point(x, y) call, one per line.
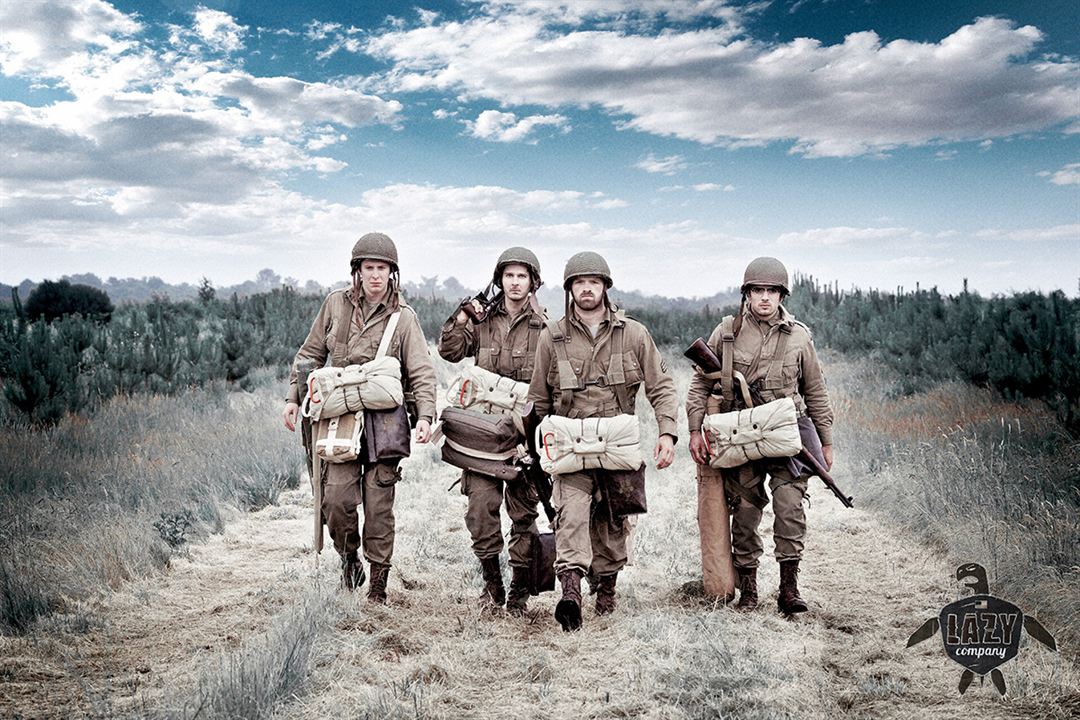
point(809, 458)
point(486, 299)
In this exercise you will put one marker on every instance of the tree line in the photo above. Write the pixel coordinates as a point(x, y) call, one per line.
point(66, 351)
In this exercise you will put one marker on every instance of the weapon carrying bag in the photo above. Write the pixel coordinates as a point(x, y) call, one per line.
point(542, 563)
point(387, 434)
point(622, 493)
point(333, 391)
point(567, 445)
point(480, 389)
point(483, 442)
point(766, 431)
point(337, 439)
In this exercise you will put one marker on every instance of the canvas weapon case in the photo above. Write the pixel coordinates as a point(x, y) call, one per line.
point(482, 442)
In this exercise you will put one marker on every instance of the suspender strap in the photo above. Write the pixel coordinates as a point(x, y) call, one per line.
point(341, 336)
point(568, 379)
point(775, 379)
point(536, 323)
point(727, 356)
point(616, 376)
point(388, 332)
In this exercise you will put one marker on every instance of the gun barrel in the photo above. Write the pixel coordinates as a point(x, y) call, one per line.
point(821, 472)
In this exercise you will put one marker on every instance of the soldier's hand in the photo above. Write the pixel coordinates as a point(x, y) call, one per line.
point(698, 451)
point(826, 452)
point(665, 452)
point(291, 411)
point(423, 431)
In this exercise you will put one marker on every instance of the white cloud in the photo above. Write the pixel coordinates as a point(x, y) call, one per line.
point(507, 127)
point(665, 165)
point(712, 187)
point(218, 30)
point(843, 235)
point(1054, 233)
point(1067, 175)
point(860, 96)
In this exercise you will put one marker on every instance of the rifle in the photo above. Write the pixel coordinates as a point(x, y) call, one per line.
point(487, 299)
point(530, 465)
point(303, 369)
point(706, 360)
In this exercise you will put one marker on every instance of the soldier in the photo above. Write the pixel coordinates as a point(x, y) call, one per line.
point(365, 308)
point(776, 355)
point(504, 343)
point(587, 340)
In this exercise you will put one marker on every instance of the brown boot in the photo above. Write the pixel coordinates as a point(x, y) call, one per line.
point(748, 598)
point(519, 591)
point(788, 600)
point(377, 587)
point(352, 571)
point(494, 594)
point(568, 611)
point(605, 594)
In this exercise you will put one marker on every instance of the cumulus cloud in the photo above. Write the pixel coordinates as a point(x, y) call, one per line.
point(844, 235)
point(860, 96)
point(499, 126)
point(1068, 175)
point(712, 187)
point(1054, 233)
point(218, 30)
point(664, 165)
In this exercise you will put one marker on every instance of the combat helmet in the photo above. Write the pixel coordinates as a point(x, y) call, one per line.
point(521, 256)
point(586, 263)
point(375, 246)
point(767, 271)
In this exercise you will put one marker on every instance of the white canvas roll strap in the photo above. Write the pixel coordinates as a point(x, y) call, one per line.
point(518, 452)
point(766, 431)
point(569, 445)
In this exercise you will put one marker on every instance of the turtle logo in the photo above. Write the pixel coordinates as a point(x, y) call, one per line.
point(981, 632)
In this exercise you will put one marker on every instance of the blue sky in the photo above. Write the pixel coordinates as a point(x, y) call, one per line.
point(877, 144)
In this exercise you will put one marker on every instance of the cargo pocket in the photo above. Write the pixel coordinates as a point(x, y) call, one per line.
point(386, 475)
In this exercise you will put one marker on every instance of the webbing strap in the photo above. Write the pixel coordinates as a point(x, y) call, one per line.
point(568, 379)
point(616, 375)
point(727, 357)
point(341, 337)
point(517, 452)
point(388, 332)
point(775, 379)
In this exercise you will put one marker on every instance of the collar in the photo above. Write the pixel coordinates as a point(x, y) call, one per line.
point(783, 317)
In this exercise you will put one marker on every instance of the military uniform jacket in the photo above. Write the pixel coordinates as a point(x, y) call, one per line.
point(502, 344)
point(797, 374)
point(407, 343)
point(591, 362)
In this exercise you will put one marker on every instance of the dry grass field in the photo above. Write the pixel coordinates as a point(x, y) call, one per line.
point(250, 623)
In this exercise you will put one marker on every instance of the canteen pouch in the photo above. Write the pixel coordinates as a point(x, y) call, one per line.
point(622, 493)
point(338, 439)
point(542, 563)
point(567, 445)
point(812, 444)
point(387, 434)
point(764, 431)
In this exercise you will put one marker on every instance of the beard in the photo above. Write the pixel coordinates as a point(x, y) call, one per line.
point(590, 302)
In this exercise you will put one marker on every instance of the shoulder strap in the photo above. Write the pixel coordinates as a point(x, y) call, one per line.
point(341, 337)
point(616, 375)
point(774, 380)
point(568, 379)
point(727, 357)
point(388, 332)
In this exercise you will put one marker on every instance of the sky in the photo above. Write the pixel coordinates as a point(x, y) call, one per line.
point(871, 144)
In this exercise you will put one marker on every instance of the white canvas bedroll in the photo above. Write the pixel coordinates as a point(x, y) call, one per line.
point(333, 391)
point(569, 445)
point(485, 391)
point(766, 431)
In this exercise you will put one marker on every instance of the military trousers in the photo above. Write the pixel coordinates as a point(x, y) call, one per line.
point(484, 521)
point(584, 541)
point(344, 491)
point(789, 516)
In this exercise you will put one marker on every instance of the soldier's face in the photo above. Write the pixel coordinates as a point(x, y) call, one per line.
point(764, 301)
point(588, 291)
point(516, 281)
point(375, 276)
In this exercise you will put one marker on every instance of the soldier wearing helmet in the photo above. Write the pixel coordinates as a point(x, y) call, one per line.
point(504, 342)
point(592, 341)
point(776, 355)
point(348, 330)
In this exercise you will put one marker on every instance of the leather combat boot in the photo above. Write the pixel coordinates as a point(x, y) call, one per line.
point(494, 594)
point(605, 594)
point(788, 600)
point(568, 611)
point(377, 587)
point(748, 599)
point(352, 571)
point(519, 591)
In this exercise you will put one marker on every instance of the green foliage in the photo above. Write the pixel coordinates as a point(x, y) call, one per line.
point(51, 300)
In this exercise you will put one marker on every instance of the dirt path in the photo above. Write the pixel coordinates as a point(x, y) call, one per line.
point(430, 653)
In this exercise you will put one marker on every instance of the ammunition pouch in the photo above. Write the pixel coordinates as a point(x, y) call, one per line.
point(482, 442)
point(386, 434)
point(567, 445)
point(338, 439)
point(765, 431)
point(542, 563)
